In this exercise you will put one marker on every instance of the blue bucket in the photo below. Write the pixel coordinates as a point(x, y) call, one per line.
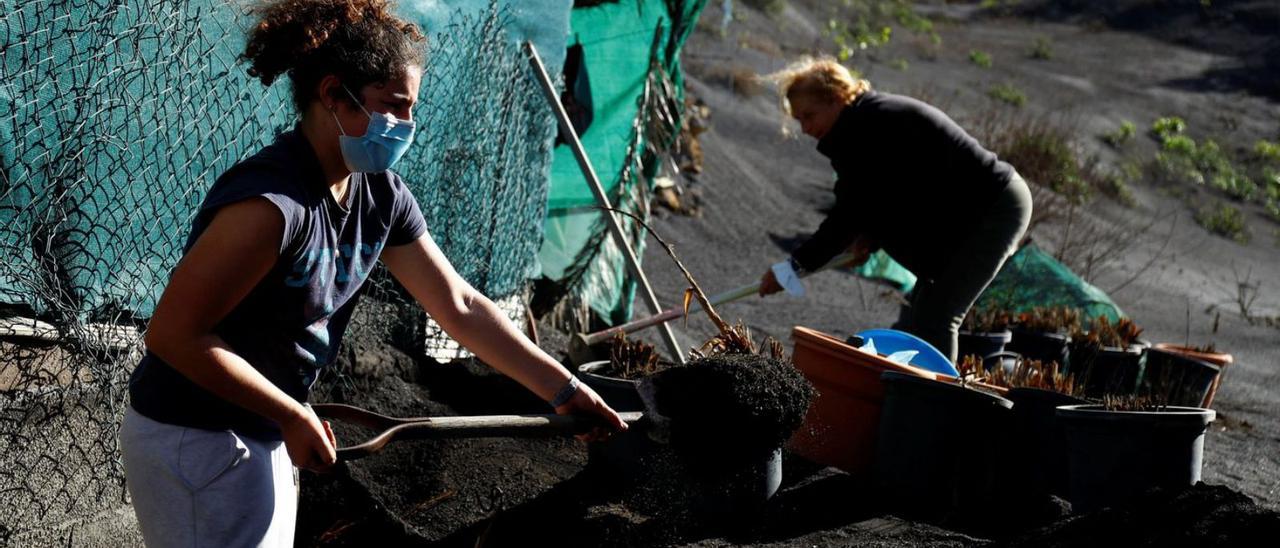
point(888, 341)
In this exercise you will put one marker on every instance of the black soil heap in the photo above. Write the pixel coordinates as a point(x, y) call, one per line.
point(737, 404)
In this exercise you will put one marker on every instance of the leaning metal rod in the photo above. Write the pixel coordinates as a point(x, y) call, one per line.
point(593, 181)
point(679, 312)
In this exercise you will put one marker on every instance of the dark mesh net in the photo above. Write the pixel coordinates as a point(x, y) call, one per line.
point(115, 117)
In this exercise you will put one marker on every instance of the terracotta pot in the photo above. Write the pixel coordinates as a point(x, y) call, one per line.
point(843, 421)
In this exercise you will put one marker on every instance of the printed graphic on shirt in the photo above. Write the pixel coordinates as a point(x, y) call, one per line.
point(333, 276)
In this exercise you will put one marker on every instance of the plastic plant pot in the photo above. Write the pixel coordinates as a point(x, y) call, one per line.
point(1107, 370)
point(983, 344)
point(1042, 347)
point(1177, 378)
point(1216, 358)
point(844, 417)
point(619, 393)
point(1115, 455)
point(938, 450)
point(712, 488)
point(1038, 443)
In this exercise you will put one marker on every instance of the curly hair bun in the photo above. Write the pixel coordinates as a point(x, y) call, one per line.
point(361, 40)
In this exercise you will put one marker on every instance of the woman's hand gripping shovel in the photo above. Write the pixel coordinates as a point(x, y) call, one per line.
point(390, 429)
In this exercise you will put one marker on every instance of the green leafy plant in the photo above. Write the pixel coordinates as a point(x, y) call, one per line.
point(1224, 220)
point(1008, 93)
point(1042, 49)
point(1115, 185)
point(1163, 128)
point(856, 25)
point(1267, 151)
point(1121, 135)
point(980, 58)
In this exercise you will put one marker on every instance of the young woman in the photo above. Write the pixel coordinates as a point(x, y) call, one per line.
point(909, 181)
point(271, 272)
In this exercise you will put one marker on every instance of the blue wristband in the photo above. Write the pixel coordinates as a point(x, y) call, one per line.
point(566, 393)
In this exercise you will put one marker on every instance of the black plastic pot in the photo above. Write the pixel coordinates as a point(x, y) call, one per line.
point(1107, 370)
point(706, 487)
point(619, 393)
point(1043, 347)
point(1039, 444)
point(938, 446)
point(1115, 455)
point(982, 344)
point(1177, 378)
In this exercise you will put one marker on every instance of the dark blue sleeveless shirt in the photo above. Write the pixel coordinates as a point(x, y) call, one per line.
point(290, 325)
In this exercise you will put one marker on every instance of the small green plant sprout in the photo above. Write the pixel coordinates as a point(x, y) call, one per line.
point(1179, 144)
point(1166, 127)
point(860, 36)
point(1271, 199)
point(1267, 151)
point(1121, 135)
point(1235, 184)
point(1042, 49)
point(900, 64)
point(980, 58)
point(1008, 93)
point(1116, 186)
point(1224, 220)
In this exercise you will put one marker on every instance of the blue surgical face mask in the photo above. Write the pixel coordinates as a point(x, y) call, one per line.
point(382, 145)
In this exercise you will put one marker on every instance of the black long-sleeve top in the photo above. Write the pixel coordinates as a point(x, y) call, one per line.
point(908, 177)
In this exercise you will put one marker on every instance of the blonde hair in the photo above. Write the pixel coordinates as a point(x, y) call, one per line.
point(817, 77)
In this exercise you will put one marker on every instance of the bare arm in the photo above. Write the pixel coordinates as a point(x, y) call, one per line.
point(232, 255)
point(473, 320)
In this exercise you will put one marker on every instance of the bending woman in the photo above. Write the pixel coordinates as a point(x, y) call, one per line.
point(270, 275)
point(909, 181)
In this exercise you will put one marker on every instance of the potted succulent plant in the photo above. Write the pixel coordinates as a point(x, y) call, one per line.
point(1107, 358)
point(984, 333)
point(1178, 377)
point(1043, 334)
point(1036, 443)
point(1206, 353)
point(1130, 444)
point(615, 379)
point(931, 461)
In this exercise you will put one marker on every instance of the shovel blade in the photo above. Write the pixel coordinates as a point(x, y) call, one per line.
point(659, 425)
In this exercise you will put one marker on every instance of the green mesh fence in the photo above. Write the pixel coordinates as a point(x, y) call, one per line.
point(115, 117)
point(632, 54)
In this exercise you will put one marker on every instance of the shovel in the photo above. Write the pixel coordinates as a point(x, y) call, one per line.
point(391, 429)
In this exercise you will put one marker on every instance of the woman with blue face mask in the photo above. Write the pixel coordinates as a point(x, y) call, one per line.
point(271, 272)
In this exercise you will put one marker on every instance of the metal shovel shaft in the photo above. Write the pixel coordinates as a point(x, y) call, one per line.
point(678, 311)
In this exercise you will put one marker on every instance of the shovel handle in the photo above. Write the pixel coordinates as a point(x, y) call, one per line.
point(678, 311)
point(485, 426)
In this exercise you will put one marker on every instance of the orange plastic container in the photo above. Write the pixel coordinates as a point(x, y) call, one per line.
point(844, 418)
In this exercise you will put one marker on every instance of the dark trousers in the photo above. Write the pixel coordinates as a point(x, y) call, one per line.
point(937, 306)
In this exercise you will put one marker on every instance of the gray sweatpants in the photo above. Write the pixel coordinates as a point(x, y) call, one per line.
point(196, 488)
point(937, 307)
